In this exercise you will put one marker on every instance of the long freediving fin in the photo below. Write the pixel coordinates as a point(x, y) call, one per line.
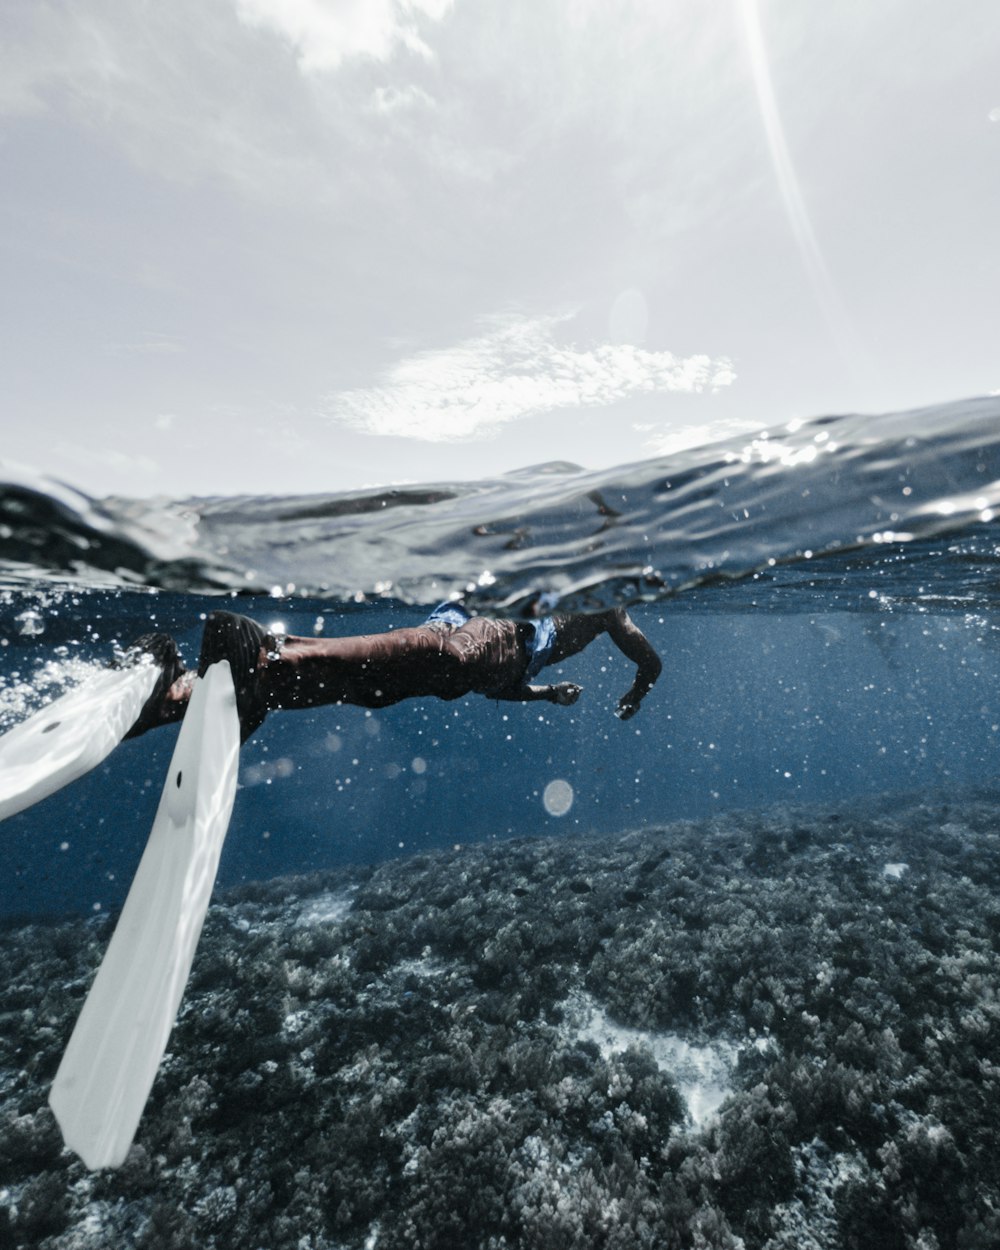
point(70, 736)
point(113, 1054)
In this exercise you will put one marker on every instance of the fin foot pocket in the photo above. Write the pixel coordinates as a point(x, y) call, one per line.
point(167, 659)
point(240, 641)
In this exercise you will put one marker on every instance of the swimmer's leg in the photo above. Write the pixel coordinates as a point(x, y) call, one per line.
point(244, 643)
point(173, 686)
point(247, 646)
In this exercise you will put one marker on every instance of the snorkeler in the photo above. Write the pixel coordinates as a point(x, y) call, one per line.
point(106, 1072)
point(451, 655)
point(109, 1064)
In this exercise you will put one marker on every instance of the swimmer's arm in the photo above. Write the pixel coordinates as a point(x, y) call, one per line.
point(564, 693)
point(635, 646)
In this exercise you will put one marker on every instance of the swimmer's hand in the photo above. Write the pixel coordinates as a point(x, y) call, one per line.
point(628, 704)
point(565, 693)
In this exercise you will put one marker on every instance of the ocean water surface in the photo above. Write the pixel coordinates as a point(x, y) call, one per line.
point(496, 974)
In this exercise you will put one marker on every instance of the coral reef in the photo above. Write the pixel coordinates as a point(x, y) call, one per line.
point(405, 1056)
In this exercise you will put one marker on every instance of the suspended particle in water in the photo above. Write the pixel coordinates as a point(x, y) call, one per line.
point(418, 764)
point(557, 797)
point(30, 623)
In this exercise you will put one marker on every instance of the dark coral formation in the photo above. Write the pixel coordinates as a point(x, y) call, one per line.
point(390, 1058)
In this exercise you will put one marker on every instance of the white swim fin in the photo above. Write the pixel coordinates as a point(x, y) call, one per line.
point(111, 1061)
point(72, 735)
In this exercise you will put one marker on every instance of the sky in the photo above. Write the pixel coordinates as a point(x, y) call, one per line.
point(284, 246)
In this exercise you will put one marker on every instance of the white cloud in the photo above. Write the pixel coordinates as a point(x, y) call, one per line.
point(430, 101)
point(324, 33)
point(158, 84)
point(516, 369)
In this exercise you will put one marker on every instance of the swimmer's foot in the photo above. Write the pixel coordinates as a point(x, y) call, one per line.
point(162, 649)
point(246, 645)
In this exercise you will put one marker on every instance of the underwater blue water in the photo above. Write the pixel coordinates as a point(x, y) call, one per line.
point(824, 598)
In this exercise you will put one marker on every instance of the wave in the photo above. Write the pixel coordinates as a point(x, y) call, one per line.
point(793, 506)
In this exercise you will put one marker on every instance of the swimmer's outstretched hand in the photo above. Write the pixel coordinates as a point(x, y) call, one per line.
point(565, 693)
point(628, 704)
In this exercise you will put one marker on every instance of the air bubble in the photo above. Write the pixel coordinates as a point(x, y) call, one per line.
point(557, 798)
point(30, 623)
